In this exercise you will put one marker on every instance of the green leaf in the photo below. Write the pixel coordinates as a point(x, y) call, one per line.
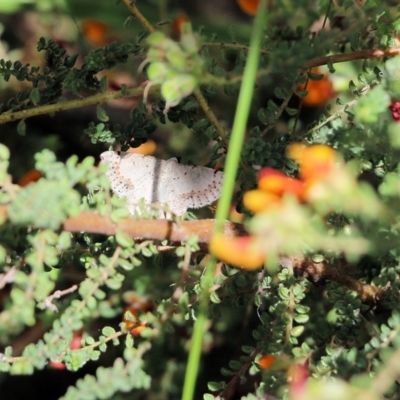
point(301, 318)
point(4, 153)
point(108, 331)
point(314, 77)
point(34, 96)
point(297, 331)
point(123, 239)
point(247, 349)
point(392, 67)
point(21, 127)
point(394, 134)
point(4, 367)
point(216, 386)
point(8, 351)
point(129, 342)
point(214, 298)
point(95, 355)
point(10, 6)
point(279, 93)
point(301, 93)
point(175, 89)
point(370, 107)
point(77, 359)
point(283, 293)
point(91, 303)
point(101, 114)
point(226, 372)
point(89, 340)
point(104, 84)
point(3, 255)
point(44, 204)
point(291, 111)
point(235, 365)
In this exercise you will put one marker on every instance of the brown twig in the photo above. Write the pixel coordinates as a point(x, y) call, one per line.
point(210, 115)
point(150, 228)
point(227, 392)
point(7, 277)
point(71, 104)
point(322, 272)
point(138, 15)
point(356, 55)
point(280, 110)
point(153, 229)
point(48, 301)
point(334, 58)
point(330, 118)
point(235, 46)
point(163, 229)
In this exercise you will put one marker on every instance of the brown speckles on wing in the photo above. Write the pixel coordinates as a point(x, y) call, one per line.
point(136, 177)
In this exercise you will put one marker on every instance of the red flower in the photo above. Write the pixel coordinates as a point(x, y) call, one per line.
point(74, 345)
point(297, 376)
point(395, 109)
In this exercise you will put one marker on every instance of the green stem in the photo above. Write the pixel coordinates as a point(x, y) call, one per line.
point(232, 164)
point(241, 116)
point(194, 354)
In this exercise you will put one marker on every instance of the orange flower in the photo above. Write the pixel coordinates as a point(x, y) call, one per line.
point(32, 176)
point(243, 252)
point(129, 323)
point(96, 32)
point(234, 215)
point(249, 6)
point(138, 330)
point(319, 92)
point(137, 303)
point(315, 161)
point(296, 152)
point(177, 23)
point(136, 326)
point(146, 148)
point(278, 183)
point(266, 361)
point(258, 201)
point(278, 363)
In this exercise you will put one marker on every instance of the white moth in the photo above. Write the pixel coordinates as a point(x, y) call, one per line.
point(155, 181)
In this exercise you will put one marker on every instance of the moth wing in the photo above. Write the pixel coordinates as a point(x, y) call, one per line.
point(144, 173)
point(130, 175)
point(189, 186)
